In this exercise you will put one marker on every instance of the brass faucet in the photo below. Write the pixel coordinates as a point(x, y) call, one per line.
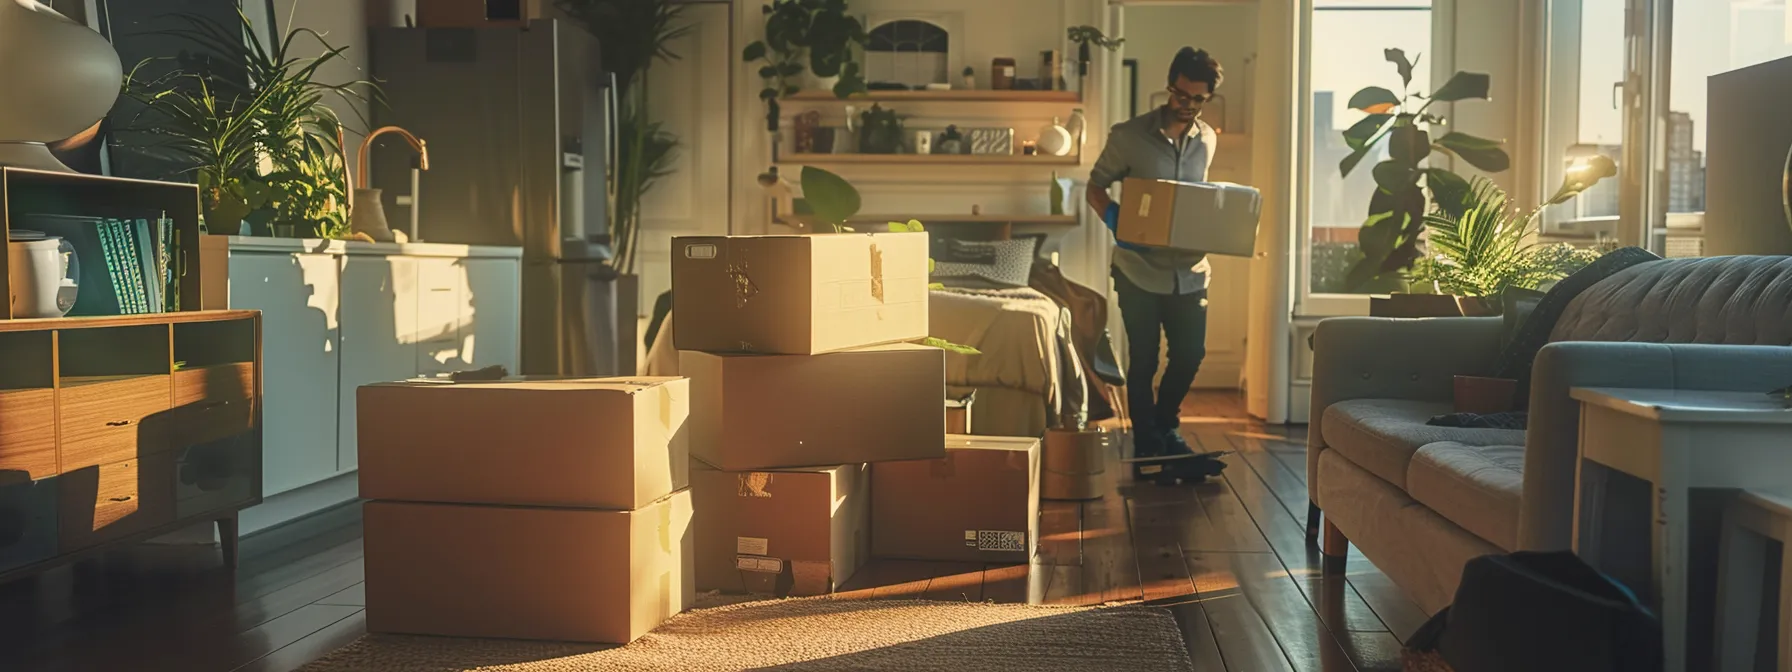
point(415, 142)
point(374, 223)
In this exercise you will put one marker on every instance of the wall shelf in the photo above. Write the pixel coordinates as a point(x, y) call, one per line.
point(929, 159)
point(952, 96)
point(944, 219)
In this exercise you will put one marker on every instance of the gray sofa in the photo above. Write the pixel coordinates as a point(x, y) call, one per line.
point(1420, 501)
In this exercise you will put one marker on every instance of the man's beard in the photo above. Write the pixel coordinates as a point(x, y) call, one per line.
point(1185, 115)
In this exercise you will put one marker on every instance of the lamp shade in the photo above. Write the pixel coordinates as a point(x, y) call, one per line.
point(60, 78)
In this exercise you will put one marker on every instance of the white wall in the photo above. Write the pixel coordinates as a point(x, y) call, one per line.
point(343, 23)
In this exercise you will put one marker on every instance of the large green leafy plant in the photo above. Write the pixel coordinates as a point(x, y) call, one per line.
point(1487, 247)
point(1391, 236)
point(816, 33)
point(268, 153)
point(632, 35)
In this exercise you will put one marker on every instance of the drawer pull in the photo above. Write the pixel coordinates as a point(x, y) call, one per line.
point(118, 423)
point(124, 498)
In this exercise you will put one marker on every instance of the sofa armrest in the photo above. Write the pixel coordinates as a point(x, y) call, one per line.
point(1381, 358)
point(1553, 438)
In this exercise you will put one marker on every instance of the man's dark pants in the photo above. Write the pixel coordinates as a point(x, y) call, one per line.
point(1182, 319)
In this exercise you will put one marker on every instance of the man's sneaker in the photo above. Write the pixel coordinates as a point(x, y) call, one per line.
point(1145, 444)
point(1174, 444)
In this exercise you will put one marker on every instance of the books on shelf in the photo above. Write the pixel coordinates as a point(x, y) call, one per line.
point(125, 264)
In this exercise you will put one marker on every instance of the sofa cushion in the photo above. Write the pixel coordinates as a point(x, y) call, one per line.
point(1715, 300)
point(1381, 435)
point(1476, 487)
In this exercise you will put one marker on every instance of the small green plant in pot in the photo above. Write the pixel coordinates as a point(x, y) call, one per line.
point(1391, 236)
point(816, 34)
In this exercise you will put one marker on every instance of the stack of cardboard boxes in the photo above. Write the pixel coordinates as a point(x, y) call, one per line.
point(818, 428)
point(527, 509)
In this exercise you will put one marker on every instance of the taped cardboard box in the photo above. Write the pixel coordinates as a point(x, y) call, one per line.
point(979, 503)
point(610, 443)
point(874, 404)
point(582, 575)
point(1211, 217)
point(793, 532)
point(798, 295)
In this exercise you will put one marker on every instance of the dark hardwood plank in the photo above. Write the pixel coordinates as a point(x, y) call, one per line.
point(353, 596)
point(1197, 635)
point(1064, 586)
point(199, 649)
point(1060, 533)
point(1156, 542)
point(1110, 563)
point(1304, 637)
point(312, 647)
point(1243, 635)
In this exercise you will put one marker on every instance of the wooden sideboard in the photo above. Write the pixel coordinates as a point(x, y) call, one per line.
point(114, 430)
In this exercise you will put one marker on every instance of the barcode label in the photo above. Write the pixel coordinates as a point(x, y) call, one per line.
point(752, 546)
point(996, 540)
point(748, 563)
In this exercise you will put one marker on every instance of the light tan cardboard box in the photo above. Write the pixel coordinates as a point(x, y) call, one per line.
point(584, 575)
point(880, 403)
point(979, 503)
point(1211, 217)
point(610, 443)
point(798, 295)
point(792, 532)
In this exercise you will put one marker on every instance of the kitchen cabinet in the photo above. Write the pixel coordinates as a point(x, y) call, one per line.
point(339, 315)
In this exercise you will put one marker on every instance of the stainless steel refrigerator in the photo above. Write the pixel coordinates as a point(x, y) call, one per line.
point(518, 122)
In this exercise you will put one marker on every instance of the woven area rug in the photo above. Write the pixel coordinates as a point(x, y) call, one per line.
point(820, 634)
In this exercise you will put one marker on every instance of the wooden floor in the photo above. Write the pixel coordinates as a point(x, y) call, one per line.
point(1228, 557)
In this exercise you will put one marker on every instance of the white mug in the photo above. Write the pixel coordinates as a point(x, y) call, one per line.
point(36, 273)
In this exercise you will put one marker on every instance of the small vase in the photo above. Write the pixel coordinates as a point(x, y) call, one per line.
point(1054, 139)
point(822, 83)
point(369, 216)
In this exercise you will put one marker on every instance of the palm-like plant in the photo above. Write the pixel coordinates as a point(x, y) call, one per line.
point(251, 126)
point(1486, 246)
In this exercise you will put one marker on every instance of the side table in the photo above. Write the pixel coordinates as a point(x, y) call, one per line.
point(1744, 604)
point(1676, 441)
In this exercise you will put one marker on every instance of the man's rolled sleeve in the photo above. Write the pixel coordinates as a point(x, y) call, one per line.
point(1113, 165)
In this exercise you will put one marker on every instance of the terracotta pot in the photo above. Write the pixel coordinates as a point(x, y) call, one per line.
point(1475, 394)
point(1478, 306)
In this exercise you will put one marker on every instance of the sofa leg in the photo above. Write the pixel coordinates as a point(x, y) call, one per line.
point(1312, 521)
point(1336, 546)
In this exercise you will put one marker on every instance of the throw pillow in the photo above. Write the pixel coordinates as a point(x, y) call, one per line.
point(1516, 306)
point(1533, 333)
point(983, 264)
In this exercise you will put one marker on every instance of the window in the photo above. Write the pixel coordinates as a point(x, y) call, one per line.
point(1346, 54)
point(1585, 111)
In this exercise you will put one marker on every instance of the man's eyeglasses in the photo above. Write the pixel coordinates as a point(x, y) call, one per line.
point(1183, 98)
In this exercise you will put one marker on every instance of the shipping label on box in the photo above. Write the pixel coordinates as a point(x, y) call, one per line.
point(874, 404)
point(611, 443)
point(799, 295)
point(979, 503)
point(1210, 217)
point(789, 533)
point(583, 575)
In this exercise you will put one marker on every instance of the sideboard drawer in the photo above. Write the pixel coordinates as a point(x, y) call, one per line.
point(27, 434)
point(102, 419)
point(27, 522)
point(102, 503)
point(223, 382)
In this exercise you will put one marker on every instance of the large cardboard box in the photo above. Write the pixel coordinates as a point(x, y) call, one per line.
point(608, 443)
point(880, 403)
point(798, 295)
point(585, 575)
point(979, 503)
point(792, 532)
point(1211, 217)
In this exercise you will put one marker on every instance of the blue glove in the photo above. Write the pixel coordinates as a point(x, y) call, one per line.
point(1111, 217)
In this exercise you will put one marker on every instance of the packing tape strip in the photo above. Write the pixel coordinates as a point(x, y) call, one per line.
point(877, 272)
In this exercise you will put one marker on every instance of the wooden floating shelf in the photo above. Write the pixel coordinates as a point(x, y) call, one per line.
point(931, 219)
point(952, 96)
point(931, 159)
point(103, 321)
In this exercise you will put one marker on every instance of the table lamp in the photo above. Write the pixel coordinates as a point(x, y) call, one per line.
point(60, 78)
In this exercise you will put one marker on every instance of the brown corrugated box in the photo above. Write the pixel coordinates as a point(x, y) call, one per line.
point(798, 295)
point(609, 443)
point(880, 403)
point(792, 532)
point(1211, 217)
point(583, 575)
point(979, 503)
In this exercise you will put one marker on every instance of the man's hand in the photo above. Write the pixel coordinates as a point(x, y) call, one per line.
point(1111, 217)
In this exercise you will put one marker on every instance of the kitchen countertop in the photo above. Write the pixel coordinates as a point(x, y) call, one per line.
point(352, 247)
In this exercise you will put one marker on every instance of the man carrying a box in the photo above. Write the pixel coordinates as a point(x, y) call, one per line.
point(1160, 288)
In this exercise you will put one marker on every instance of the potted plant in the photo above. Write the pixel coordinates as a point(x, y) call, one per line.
point(1391, 235)
point(814, 33)
point(1084, 36)
point(268, 154)
point(833, 36)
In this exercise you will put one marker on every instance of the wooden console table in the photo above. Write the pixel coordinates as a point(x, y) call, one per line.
point(1643, 454)
point(114, 430)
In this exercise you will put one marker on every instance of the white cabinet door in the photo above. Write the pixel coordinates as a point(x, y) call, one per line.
point(379, 335)
point(491, 318)
point(297, 297)
point(441, 282)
